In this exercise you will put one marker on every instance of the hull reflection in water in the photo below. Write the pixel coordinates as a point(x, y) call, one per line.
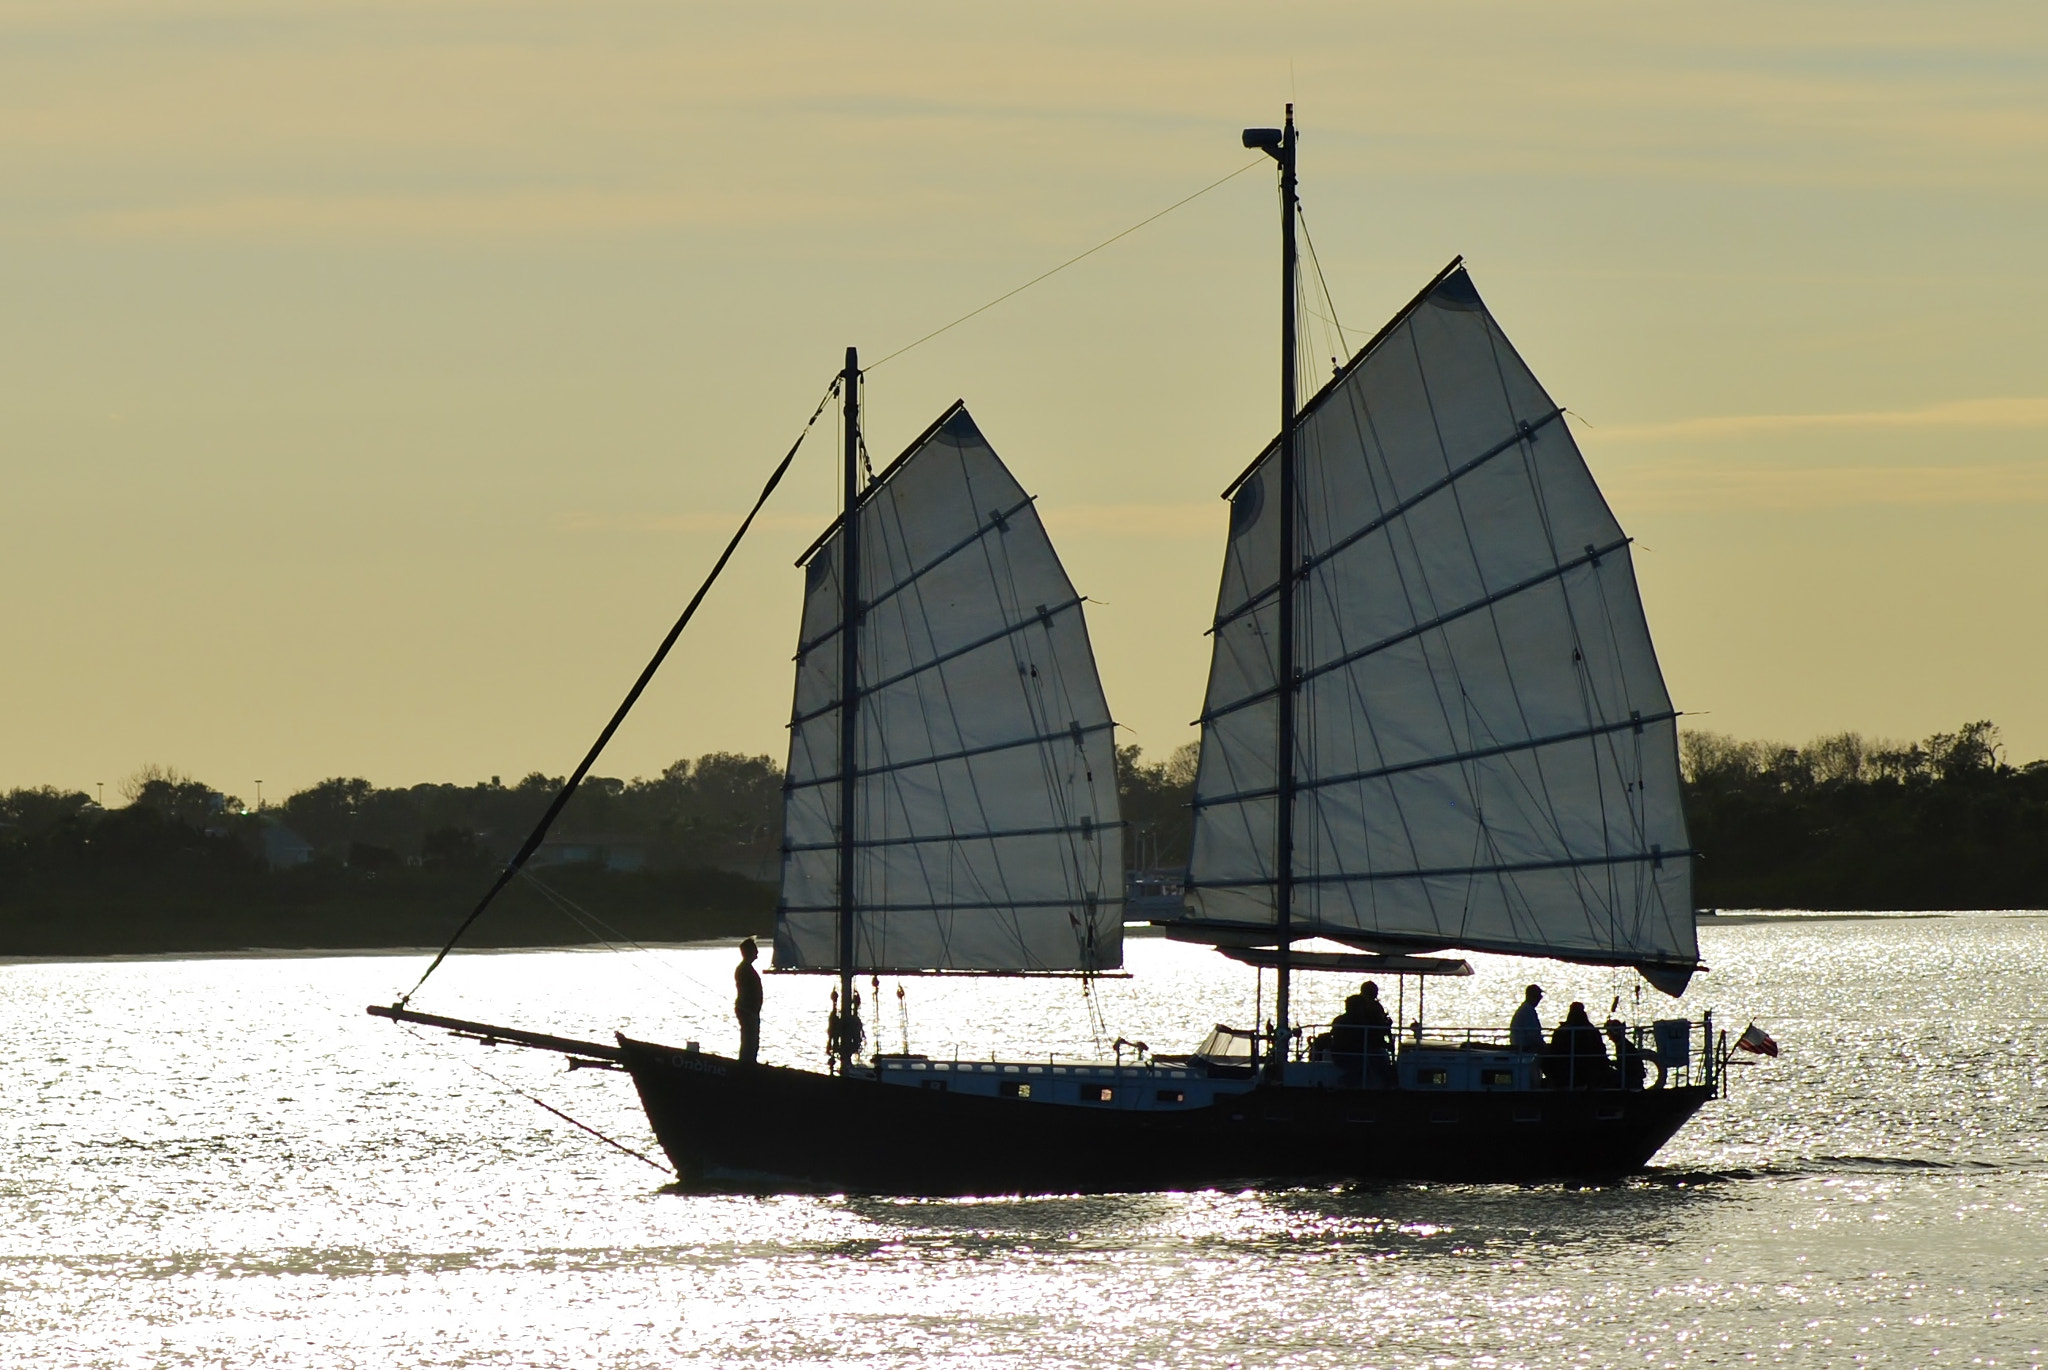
point(726, 1125)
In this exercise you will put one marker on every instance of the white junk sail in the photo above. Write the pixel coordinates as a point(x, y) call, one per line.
point(986, 834)
point(1486, 756)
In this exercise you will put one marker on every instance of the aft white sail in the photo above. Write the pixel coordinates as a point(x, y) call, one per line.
point(1486, 756)
point(986, 835)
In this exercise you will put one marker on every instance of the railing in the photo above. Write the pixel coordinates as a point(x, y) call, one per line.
point(1667, 1059)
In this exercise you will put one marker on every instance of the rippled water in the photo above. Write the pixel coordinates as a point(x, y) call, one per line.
point(224, 1162)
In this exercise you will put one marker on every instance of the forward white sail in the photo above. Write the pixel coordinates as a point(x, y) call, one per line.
point(987, 835)
point(1486, 756)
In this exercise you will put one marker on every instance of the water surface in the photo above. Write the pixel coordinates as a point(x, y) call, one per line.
point(223, 1162)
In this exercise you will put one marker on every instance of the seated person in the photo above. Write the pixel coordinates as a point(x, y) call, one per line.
point(1344, 1043)
point(1631, 1062)
point(1576, 1059)
point(1361, 1040)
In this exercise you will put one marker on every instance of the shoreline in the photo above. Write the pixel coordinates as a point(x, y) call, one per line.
point(305, 953)
point(1132, 931)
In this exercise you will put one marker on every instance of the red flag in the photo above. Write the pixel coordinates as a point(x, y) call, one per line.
point(1755, 1039)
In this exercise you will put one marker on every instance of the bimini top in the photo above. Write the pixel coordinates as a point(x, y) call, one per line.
point(987, 835)
point(1486, 756)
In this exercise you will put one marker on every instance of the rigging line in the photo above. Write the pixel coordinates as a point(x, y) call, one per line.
point(1260, 161)
point(1316, 262)
point(532, 1099)
point(540, 831)
point(617, 941)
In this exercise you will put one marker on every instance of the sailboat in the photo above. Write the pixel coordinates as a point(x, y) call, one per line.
point(1434, 721)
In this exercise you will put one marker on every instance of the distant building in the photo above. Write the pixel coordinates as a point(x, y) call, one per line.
point(283, 848)
point(1150, 894)
point(613, 851)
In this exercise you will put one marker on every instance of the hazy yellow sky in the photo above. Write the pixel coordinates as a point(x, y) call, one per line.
point(377, 379)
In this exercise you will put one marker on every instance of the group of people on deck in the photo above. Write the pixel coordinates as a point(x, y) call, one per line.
point(1575, 1056)
point(1361, 1039)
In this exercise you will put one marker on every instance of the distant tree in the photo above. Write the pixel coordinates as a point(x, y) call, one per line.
point(1156, 798)
point(182, 801)
point(1846, 822)
point(1972, 750)
point(150, 773)
point(450, 847)
point(28, 812)
point(722, 809)
point(325, 815)
point(368, 856)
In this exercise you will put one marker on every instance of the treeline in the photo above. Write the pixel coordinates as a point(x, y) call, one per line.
point(1846, 822)
point(186, 867)
point(1840, 823)
point(183, 866)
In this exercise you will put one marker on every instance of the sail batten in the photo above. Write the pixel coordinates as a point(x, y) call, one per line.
point(1044, 614)
point(985, 832)
point(1035, 741)
point(997, 519)
point(1359, 535)
point(1590, 557)
point(1447, 872)
point(1485, 755)
point(1454, 758)
point(1078, 829)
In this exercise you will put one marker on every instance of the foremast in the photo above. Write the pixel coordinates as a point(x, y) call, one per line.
point(846, 1039)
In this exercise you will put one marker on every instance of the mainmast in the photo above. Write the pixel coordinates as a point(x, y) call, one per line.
point(1280, 144)
point(849, 701)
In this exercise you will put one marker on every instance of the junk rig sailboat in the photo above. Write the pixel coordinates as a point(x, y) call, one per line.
point(1434, 720)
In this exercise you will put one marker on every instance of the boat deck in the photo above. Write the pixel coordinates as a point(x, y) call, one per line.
point(1452, 1061)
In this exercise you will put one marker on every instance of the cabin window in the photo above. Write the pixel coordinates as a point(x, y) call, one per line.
point(1011, 1070)
point(1036, 1070)
point(1496, 1078)
point(1016, 1089)
point(1432, 1077)
point(917, 1065)
point(1097, 1094)
point(1172, 1096)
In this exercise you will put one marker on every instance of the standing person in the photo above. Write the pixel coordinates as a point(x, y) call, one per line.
point(1379, 1036)
point(746, 1003)
point(1525, 1029)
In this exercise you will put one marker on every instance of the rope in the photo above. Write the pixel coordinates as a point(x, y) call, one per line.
point(534, 1099)
point(1330, 302)
point(1259, 161)
point(540, 831)
point(616, 941)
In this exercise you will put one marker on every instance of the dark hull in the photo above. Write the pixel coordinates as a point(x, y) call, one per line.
point(725, 1125)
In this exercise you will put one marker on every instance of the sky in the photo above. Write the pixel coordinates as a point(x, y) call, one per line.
point(377, 380)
